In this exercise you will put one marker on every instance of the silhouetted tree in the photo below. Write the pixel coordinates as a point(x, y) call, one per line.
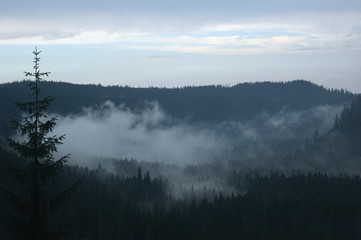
point(33, 202)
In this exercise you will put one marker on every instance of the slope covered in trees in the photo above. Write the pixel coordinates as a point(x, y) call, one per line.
point(339, 148)
point(131, 203)
point(272, 206)
point(208, 103)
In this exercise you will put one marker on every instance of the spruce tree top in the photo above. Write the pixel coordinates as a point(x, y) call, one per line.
point(35, 126)
point(36, 202)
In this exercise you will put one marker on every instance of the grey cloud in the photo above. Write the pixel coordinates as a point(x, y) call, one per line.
point(268, 135)
point(117, 132)
point(63, 20)
point(286, 124)
point(153, 136)
point(171, 13)
point(170, 8)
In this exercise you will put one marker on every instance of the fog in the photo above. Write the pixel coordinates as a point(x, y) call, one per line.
point(151, 135)
point(117, 132)
point(191, 156)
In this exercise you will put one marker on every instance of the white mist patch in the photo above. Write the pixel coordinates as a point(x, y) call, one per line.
point(288, 124)
point(117, 132)
point(153, 136)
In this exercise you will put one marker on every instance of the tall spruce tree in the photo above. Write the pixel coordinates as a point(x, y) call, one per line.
point(35, 203)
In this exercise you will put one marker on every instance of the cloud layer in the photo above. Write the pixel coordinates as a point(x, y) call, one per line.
point(212, 27)
point(153, 136)
point(116, 132)
point(235, 38)
point(216, 42)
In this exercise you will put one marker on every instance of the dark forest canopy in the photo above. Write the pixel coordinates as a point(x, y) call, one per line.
point(140, 205)
point(205, 103)
point(312, 192)
point(339, 148)
point(275, 206)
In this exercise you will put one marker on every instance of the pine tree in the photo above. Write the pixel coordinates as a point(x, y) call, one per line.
point(34, 204)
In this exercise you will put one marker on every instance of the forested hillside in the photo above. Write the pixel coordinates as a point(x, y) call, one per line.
point(208, 103)
point(312, 192)
point(340, 148)
point(271, 206)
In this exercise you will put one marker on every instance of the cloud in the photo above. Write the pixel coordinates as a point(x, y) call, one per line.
point(210, 8)
point(117, 132)
point(189, 27)
point(153, 136)
point(255, 141)
point(291, 124)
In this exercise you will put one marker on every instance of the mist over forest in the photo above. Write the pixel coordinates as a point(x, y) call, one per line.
point(244, 127)
point(180, 120)
point(170, 162)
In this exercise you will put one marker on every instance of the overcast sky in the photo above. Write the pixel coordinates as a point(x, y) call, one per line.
point(170, 43)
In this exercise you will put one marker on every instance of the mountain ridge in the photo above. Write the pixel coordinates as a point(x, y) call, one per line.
point(212, 103)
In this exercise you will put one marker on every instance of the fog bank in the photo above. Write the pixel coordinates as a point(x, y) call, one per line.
point(117, 132)
point(152, 135)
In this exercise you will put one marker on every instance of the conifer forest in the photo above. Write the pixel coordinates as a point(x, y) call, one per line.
point(261, 160)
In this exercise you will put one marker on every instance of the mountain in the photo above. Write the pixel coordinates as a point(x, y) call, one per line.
point(251, 204)
point(205, 103)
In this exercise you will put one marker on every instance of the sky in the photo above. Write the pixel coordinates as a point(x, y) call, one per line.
point(166, 43)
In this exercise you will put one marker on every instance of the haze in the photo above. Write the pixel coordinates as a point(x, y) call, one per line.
point(152, 135)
